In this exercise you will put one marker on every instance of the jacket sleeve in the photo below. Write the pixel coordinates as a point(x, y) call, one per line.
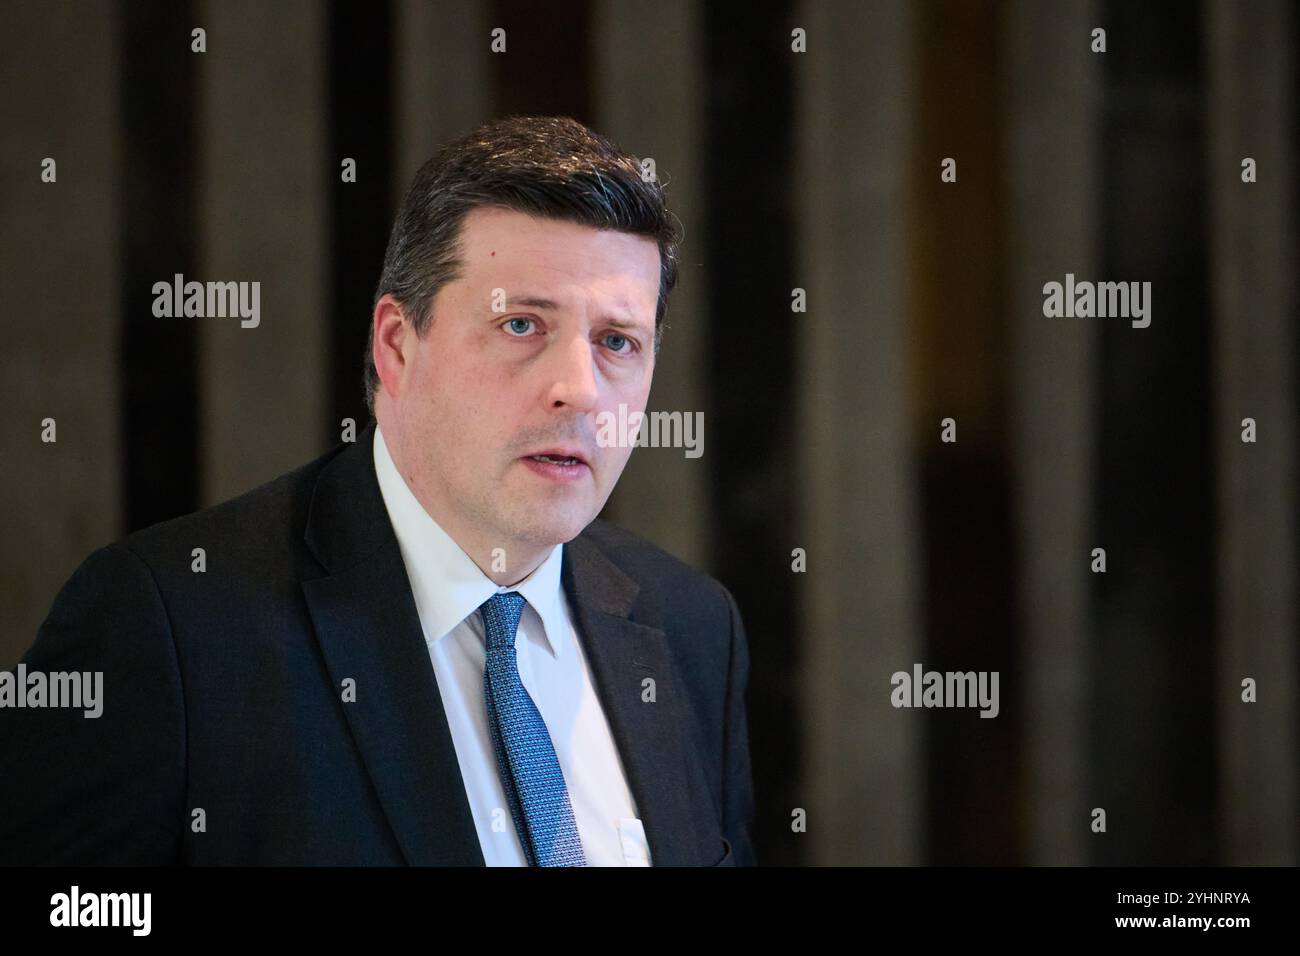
point(737, 781)
point(107, 789)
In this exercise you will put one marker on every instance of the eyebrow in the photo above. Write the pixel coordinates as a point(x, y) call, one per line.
point(541, 302)
point(534, 301)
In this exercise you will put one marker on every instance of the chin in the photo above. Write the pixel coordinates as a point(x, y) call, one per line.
point(556, 529)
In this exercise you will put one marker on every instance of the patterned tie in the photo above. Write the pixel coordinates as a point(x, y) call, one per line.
point(530, 771)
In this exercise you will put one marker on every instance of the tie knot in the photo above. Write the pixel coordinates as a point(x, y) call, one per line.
point(501, 613)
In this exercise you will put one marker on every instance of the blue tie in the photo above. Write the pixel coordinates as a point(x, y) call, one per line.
point(530, 771)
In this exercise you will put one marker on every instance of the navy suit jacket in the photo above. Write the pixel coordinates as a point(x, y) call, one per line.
point(225, 738)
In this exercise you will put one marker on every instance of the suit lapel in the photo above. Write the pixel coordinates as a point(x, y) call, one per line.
point(664, 772)
point(369, 630)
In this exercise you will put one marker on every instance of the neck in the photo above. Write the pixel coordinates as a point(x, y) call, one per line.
point(506, 573)
point(505, 564)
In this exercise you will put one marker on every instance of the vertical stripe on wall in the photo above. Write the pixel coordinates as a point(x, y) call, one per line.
point(440, 75)
point(545, 69)
point(857, 602)
point(963, 353)
point(61, 286)
point(264, 171)
point(750, 371)
point(1051, 105)
point(1251, 63)
point(159, 363)
point(1152, 728)
point(362, 72)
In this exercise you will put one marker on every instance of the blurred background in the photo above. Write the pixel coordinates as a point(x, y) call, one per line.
point(816, 170)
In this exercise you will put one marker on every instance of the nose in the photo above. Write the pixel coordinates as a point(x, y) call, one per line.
point(574, 384)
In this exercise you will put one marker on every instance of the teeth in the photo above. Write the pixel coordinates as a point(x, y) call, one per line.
point(555, 461)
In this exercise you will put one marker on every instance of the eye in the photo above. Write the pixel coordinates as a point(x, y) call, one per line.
point(518, 327)
point(615, 341)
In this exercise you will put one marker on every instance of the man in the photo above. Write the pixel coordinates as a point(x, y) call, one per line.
point(423, 647)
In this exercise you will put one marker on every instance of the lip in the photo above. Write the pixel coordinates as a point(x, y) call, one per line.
point(565, 474)
point(561, 451)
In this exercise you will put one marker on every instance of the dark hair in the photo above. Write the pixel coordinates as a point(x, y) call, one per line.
point(548, 166)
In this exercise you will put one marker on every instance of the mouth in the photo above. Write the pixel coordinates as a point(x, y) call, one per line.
point(559, 455)
point(558, 464)
point(558, 459)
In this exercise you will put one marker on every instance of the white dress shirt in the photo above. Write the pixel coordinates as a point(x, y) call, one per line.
point(449, 588)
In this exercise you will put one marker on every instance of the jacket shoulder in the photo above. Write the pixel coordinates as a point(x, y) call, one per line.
point(269, 518)
point(673, 582)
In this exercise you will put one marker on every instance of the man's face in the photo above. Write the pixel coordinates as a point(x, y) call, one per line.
point(484, 391)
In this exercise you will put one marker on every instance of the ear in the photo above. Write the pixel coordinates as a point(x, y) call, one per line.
point(392, 335)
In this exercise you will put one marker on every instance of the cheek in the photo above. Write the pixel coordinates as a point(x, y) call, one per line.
point(475, 368)
point(621, 455)
point(453, 375)
point(476, 402)
point(635, 392)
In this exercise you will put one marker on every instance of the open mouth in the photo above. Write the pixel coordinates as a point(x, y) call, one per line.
point(557, 460)
point(557, 465)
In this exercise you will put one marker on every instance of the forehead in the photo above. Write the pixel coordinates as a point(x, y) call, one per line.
point(504, 248)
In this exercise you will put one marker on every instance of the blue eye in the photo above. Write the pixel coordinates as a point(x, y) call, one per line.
point(620, 339)
point(513, 327)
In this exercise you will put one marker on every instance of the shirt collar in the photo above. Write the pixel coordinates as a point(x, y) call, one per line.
point(448, 586)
